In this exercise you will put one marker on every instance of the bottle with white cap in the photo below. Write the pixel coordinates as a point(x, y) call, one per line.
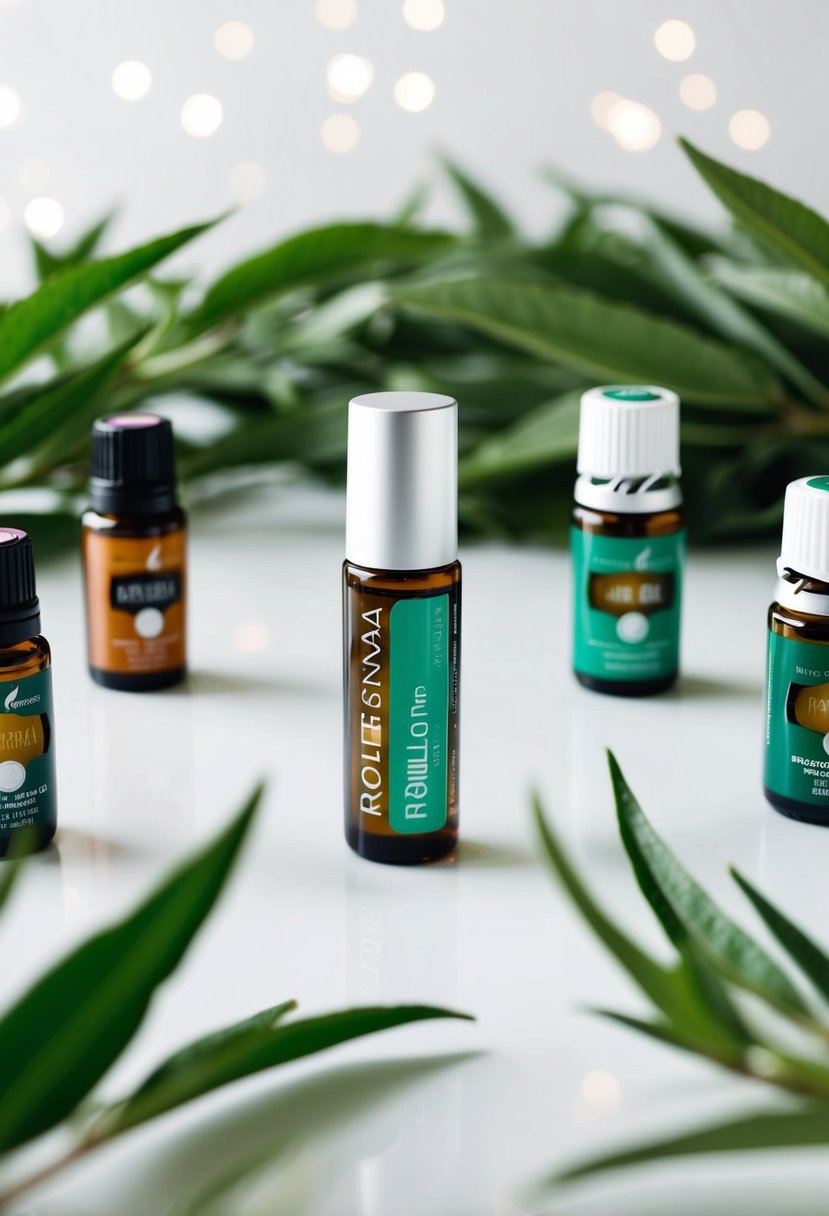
point(797, 676)
point(627, 541)
point(402, 605)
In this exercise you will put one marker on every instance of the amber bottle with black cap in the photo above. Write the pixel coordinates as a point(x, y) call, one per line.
point(402, 612)
point(28, 805)
point(135, 556)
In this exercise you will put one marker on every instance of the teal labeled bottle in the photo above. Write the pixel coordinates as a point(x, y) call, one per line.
point(28, 803)
point(401, 621)
point(627, 541)
point(796, 775)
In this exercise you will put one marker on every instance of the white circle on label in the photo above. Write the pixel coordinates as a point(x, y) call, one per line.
point(632, 627)
point(149, 623)
point(12, 776)
point(826, 744)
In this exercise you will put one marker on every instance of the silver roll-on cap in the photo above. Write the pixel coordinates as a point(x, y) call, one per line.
point(402, 498)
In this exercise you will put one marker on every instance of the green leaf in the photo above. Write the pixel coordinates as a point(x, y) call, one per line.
point(30, 325)
point(705, 299)
point(490, 220)
point(785, 293)
point(47, 262)
point(60, 1038)
point(610, 341)
point(805, 1127)
point(317, 256)
point(675, 992)
point(785, 225)
point(545, 436)
point(687, 913)
point(313, 435)
point(58, 401)
point(260, 1043)
point(8, 877)
point(809, 956)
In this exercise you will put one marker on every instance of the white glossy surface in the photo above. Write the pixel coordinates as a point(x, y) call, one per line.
point(144, 777)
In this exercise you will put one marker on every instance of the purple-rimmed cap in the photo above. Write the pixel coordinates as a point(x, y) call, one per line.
point(133, 465)
point(19, 605)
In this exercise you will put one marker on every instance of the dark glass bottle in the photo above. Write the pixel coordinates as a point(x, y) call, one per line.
point(796, 771)
point(28, 794)
point(401, 617)
point(134, 542)
point(627, 541)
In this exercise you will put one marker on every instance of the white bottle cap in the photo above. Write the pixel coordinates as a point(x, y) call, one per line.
point(629, 430)
point(402, 495)
point(805, 547)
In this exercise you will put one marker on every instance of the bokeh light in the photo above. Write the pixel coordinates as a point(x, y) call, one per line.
point(251, 637)
point(33, 175)
point(132, 80)
point(698, 92)
point(336, 14)
point(424, 14)
point(349, 77)
point(11, 106)
point(247, 181)
point(5, 214)
point(201, 115)
point(749, 129)
point(600, 108)
point(234, 40)
point(340, 133)
point(601, 1089)
point(414, 92)
point(675, 40)
point(634, 126)
point(44, 217)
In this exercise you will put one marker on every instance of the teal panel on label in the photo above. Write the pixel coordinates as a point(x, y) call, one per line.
point(627, 595)
point(27, 753)
point(797, 721)
point(418, 714)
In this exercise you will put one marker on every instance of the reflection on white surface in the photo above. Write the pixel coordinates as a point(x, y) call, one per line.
point(601, 1088)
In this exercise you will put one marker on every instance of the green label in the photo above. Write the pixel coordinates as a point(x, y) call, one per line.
point(418, 714)
point(627, 597)
point(27, 753)
point(797, 721)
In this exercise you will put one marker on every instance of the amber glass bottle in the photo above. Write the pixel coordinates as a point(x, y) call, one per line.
point(627, 542)
point(796, 778)
point(135, 556)
point(28, 795)
point(402, 609)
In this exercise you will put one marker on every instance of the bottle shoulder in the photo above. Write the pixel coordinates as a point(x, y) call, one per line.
point(134, 526)
point(401, 582)
point(25, 658)
point(609, 523)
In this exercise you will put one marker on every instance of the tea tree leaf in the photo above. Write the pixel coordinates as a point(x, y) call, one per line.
point(30, 325)
point(809, 956)
point(609, 341)
point(787, 226)
point(490, 220)
point(785, 293)
point(47, 262)
point(8, 877)
point(687, 912)
point(313, 435)
point(804, 1127)
point(260, 1043)
point(60, 1038)
point(318, 255)
point(548, 435)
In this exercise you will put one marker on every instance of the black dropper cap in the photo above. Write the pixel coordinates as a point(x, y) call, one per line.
point(133, 465)
point(19, 605)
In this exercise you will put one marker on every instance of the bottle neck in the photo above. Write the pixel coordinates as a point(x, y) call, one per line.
point(629, 495)
point(802, 594)
point(108, 499)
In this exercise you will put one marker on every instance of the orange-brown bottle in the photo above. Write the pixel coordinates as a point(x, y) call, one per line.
point(135, 556)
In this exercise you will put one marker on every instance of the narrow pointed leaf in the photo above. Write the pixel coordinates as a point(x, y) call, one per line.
point(665, 1033)
point(9, 875)
point(687, 913)
point(784, 224)
point(47, 262)
point(545, 436)
point(809, 956)
point(30, 325)
point(488, 216)
point(60, 1038)
point(318, 255)
point(790, 294)
point(261, 1043)
point(610, 341)
point(805, 1127)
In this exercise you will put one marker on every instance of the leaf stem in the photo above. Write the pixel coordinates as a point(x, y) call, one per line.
point(46, 1172)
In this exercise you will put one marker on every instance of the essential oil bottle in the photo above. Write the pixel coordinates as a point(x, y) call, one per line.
point(135, 556)
point(28, 803)
point(401, 615)
point(797, 673)
point(627, 541)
